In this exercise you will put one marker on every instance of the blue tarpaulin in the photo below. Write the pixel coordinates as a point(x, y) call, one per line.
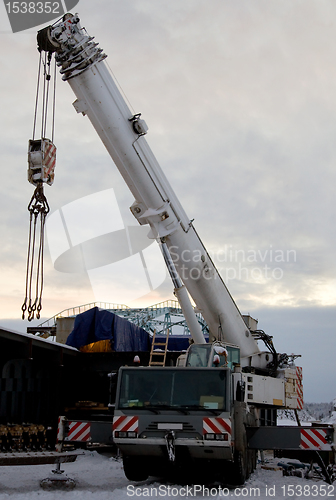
point(95, 324)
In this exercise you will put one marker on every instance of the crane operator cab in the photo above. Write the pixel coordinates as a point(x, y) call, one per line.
point(216, 354)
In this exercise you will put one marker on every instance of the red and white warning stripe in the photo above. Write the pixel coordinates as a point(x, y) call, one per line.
point(299, 393)
point(314, 439)
point(60, 424)
point(299, 388)
point(49, 158)
point(124, 424)
point(79, 431)
point(216, 425)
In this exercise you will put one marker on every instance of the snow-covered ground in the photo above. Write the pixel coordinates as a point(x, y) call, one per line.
point(100, 477)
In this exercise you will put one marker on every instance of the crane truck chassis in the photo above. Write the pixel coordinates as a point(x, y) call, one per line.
point(199, 411)
point(198, 418)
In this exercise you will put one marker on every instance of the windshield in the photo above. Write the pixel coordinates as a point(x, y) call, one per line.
point(198, 355)
point(173, 388)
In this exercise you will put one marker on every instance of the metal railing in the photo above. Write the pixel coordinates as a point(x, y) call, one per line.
point(144, 317)
point(73, 311)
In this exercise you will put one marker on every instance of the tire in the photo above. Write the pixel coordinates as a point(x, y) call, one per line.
point(239, 472)
point(250, 468)
point(135, 469)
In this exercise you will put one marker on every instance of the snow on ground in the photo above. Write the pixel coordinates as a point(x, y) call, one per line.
point(99, 477)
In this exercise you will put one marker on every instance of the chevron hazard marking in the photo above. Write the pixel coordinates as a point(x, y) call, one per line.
point(314, 439)
point(123, 424)
point(216, 425)
point(79, 431)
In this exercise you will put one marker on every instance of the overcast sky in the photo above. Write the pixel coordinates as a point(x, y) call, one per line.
point(240, 100)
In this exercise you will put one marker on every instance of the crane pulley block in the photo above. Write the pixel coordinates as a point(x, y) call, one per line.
point(41, 161)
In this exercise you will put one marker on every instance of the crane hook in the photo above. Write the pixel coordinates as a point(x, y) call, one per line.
point(38, 208)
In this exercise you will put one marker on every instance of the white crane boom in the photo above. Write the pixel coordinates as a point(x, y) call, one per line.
point(155, 202)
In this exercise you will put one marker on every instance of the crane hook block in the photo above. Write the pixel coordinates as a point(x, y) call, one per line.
point(41, 161)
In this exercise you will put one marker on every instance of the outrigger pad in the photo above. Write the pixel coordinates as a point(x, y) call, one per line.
point(57, 480)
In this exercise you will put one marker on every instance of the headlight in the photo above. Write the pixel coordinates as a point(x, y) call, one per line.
point(222, 437)
point(125, 434)
point(131, 434)
point(218, 437)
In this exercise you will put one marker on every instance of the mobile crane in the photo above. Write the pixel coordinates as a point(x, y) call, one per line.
point(201, 411)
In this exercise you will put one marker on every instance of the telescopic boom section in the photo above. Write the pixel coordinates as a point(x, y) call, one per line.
point(82, 66)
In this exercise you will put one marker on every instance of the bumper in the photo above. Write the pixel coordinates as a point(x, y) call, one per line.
point(156, 447)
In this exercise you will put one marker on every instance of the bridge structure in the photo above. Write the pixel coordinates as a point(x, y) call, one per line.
point(161, 318)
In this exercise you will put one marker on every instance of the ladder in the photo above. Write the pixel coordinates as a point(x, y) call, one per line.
point(158, 358)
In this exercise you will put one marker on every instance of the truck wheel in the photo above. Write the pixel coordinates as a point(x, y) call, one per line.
point(135, 469)
point(249, 463)
point(239, 473)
